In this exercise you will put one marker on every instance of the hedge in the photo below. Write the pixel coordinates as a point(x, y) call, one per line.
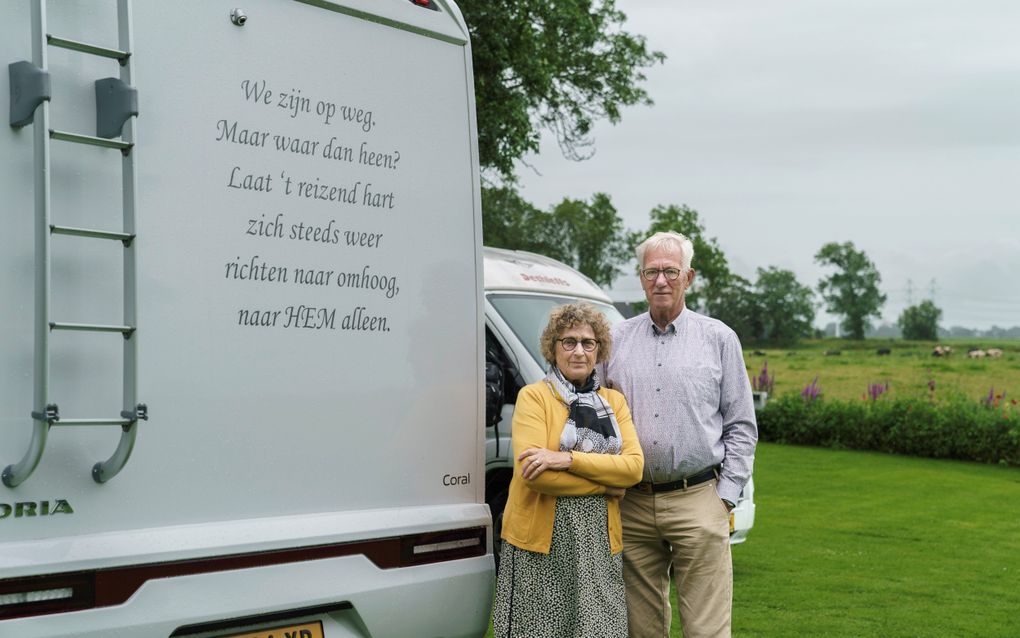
point(947, 429)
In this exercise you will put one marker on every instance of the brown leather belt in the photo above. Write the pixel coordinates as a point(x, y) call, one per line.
point(647, 487)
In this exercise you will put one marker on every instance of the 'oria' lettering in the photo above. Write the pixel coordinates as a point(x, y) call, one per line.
point(25, 509)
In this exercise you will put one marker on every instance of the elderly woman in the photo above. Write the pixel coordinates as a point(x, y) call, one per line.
point(576, 452)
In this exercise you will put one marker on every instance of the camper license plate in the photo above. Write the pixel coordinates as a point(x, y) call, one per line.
point(306, 630)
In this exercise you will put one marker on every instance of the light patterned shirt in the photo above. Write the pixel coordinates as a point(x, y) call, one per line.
point(690, 397)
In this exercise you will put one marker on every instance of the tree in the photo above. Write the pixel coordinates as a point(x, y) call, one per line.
point(558, 66)
point(587, 235)
point(921, 321)
point(852, 291)
point(714, 278)
point(509, 221)
point(786, 307)
point(595, 240)
point(737, 306)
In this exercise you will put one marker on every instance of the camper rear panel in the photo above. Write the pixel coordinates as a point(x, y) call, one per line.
point(307, 276)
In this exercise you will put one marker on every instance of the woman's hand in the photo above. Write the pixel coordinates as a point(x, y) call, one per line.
point(615, 492)
point(536, 460)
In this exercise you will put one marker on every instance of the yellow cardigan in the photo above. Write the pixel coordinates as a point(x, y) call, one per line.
point(539, 418)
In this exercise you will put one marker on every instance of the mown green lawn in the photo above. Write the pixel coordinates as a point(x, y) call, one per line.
point(866, 544)
point(907, 369)
point(851, 544)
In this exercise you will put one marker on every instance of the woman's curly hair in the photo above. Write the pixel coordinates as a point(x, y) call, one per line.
point(565, 317)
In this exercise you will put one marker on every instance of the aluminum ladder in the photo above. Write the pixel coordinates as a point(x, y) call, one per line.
point(116, 109)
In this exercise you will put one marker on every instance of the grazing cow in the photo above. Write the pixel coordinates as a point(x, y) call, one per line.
point(759, 353)
point(976, 354)
point(941, 351)
point(882, 351)
point(994, 352)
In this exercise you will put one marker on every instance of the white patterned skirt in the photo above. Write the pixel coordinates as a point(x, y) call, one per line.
point(576, 590)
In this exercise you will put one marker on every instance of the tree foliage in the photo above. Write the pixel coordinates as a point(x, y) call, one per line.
point(736, 305)
point(852, 290)
point(921, 321)
point(786, 308)
point(594, 236)
point(558, 66)
point(587, 235)
point(509, 221)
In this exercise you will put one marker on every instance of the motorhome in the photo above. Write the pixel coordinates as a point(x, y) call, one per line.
point(520, 290)
point(241, 332)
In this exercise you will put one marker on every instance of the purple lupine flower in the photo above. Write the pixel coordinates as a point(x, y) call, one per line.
point(876, 390)
point(990, 399)
point(811, 391)
point(762, 382)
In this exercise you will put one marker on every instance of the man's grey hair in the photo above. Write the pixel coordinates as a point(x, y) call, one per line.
point(671, 240)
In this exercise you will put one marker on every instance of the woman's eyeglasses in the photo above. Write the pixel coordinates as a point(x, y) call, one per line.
point(570, 343)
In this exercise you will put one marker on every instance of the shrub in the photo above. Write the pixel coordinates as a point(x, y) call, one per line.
point(954, 428)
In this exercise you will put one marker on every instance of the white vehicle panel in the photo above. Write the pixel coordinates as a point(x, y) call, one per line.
point(308, 293)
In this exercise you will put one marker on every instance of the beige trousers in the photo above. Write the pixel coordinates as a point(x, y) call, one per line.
point(690, 530)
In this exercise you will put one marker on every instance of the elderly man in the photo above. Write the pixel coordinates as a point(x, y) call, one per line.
point(684, 378)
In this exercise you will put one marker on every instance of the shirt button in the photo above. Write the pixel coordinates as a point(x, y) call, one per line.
point(659, 364)
point(656, 416)
point(658, 389)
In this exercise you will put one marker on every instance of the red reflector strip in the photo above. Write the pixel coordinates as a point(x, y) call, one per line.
point(37, 595)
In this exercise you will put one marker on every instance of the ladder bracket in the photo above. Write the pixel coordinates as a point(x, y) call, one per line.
point(115, 103)
point(51, 414)
point(30, 87)
point(141, 412)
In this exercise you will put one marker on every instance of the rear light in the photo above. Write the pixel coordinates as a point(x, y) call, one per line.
point(440, 546)
point(35, 595)
point(426, 4)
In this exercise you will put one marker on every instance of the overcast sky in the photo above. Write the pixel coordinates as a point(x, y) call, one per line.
point(894, 124)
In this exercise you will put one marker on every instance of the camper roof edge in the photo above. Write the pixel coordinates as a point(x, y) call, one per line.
point(448, 37)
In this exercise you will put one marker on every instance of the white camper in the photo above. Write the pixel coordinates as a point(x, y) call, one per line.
point(520, 290)
point(240, 324)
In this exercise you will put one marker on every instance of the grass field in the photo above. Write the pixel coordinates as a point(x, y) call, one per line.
point(851, 544)
point(907, 368)
point(866, 544)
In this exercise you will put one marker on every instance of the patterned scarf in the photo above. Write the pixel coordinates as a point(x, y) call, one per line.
point(591, 424)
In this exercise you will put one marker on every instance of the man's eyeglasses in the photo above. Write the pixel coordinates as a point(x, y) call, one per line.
point(570, 343)
point(651, 274)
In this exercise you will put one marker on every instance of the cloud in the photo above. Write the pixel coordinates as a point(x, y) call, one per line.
point(787, 124)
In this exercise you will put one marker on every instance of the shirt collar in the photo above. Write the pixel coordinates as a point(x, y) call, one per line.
point(673, 327)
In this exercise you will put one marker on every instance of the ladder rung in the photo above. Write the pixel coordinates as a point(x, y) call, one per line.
point(91, 327)
point(88, 139)
point(73, 45)
point(116, 421)
point(86, 232)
